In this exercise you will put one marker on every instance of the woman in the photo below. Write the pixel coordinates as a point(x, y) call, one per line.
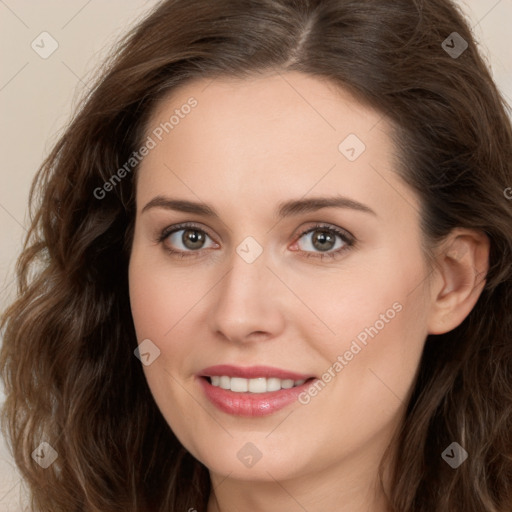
point(269, 269)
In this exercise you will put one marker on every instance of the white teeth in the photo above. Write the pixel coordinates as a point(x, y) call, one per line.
point(287, 383)
point(225, 383)
point(258, 385)
point(273, 384)
point(239, 385)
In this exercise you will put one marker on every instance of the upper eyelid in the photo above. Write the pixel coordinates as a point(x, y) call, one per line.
point(164, 233)
point(328, 227)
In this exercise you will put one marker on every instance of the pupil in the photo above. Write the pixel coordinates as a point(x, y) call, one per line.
point(193, 239)
point(322, 237)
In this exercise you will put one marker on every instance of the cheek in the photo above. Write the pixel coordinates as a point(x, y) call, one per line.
point(159, 306)
point(159, 297)
point(165, 302)
point(377, 316)
point(370, 371)
point(379, 348)
point(362, 303)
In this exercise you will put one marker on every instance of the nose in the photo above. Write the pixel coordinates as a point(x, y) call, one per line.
point(248, 302)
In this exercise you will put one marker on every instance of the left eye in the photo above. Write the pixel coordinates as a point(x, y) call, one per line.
point(324, 239)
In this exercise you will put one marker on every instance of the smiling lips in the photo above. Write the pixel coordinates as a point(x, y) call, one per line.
point(253, 391)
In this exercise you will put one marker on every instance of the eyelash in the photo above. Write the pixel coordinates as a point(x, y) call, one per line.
point(346, 237)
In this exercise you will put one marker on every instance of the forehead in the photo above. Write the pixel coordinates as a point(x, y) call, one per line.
point(265, 139)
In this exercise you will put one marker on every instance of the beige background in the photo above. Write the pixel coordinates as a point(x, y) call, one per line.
point(37, 96)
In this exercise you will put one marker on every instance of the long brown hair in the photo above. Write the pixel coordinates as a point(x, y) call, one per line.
point(67, 362)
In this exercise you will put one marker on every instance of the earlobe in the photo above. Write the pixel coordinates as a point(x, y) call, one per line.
point(461, 266)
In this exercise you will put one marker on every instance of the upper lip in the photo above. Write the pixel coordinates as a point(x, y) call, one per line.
point(251, 372)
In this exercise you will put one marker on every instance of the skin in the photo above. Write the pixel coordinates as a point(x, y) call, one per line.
point(248, 146)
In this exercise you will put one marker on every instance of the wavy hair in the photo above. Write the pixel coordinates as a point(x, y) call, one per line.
point(67, 360)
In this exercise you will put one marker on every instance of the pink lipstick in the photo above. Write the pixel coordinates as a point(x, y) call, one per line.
point(251, 391)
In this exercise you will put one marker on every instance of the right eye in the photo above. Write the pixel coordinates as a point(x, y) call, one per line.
point(187, 237)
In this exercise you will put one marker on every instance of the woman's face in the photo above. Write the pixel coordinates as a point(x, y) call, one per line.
point(264, 289)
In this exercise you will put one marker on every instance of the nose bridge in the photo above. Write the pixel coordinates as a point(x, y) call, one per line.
point(246, 285)
point(247, 297)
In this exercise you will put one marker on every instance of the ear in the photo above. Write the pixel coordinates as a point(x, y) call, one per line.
point(461, 267)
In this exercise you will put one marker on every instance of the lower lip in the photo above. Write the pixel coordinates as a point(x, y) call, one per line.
point(251, 404)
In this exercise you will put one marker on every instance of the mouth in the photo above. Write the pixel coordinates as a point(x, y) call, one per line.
point(254, 391)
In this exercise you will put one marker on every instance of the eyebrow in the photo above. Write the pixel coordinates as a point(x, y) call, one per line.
point(285, 209)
